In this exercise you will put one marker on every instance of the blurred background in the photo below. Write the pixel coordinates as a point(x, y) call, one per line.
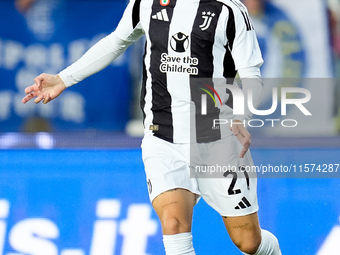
point(71, 177)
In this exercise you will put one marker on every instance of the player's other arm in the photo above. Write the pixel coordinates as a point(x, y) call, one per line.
point(251, 80)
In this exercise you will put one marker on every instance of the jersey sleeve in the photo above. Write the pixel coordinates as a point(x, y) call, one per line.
point(247, 56)
point(106, 50)
point(129, 27)
point(245, 48)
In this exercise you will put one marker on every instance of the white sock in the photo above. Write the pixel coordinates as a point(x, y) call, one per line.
point(269, 244)
point(178, 244)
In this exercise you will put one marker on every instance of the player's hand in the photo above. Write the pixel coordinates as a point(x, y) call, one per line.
point(242, 134)
point(46, 88)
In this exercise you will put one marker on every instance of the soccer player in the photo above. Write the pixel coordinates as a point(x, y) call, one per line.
point(188, 42)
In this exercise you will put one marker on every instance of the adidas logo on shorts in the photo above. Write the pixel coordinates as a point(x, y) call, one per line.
point(244, 203)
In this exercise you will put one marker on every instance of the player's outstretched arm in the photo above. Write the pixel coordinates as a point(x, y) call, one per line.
point(46, 88)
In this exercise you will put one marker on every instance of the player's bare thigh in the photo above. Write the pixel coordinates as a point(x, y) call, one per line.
point(174, 209)
point(244, 231)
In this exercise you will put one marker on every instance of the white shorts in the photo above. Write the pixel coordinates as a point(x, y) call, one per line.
point(211, 170)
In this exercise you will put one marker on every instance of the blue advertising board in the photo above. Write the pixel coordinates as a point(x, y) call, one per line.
point(77, 202)
point(48, 37)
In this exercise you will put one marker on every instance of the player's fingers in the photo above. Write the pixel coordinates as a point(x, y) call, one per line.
point(26, 99)
point(245, 137)
point(244, 149)
point(47, 98)
point(245, 140)
point(29, 97)
point(39, 79)
point(243, 152)
point(234, 129)
point(39, 98)
point(30, 89)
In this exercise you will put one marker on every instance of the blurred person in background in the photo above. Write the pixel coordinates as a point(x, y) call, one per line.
point(255, 7)
point(277, 31)
point(270, 18)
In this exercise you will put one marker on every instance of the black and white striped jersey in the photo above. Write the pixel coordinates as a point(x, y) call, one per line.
point(187, 40)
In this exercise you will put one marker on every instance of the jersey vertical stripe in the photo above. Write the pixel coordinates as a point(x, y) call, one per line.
point(136, 13)
point(143, 89)
point(161, 98)
point(228, 63)
point(179, 47)
point(203, 38)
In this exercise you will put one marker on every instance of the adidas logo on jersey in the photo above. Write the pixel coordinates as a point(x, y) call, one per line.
point(161, 15)
point(244, 203)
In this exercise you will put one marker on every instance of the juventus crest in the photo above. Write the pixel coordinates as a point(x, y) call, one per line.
point(207, 17)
